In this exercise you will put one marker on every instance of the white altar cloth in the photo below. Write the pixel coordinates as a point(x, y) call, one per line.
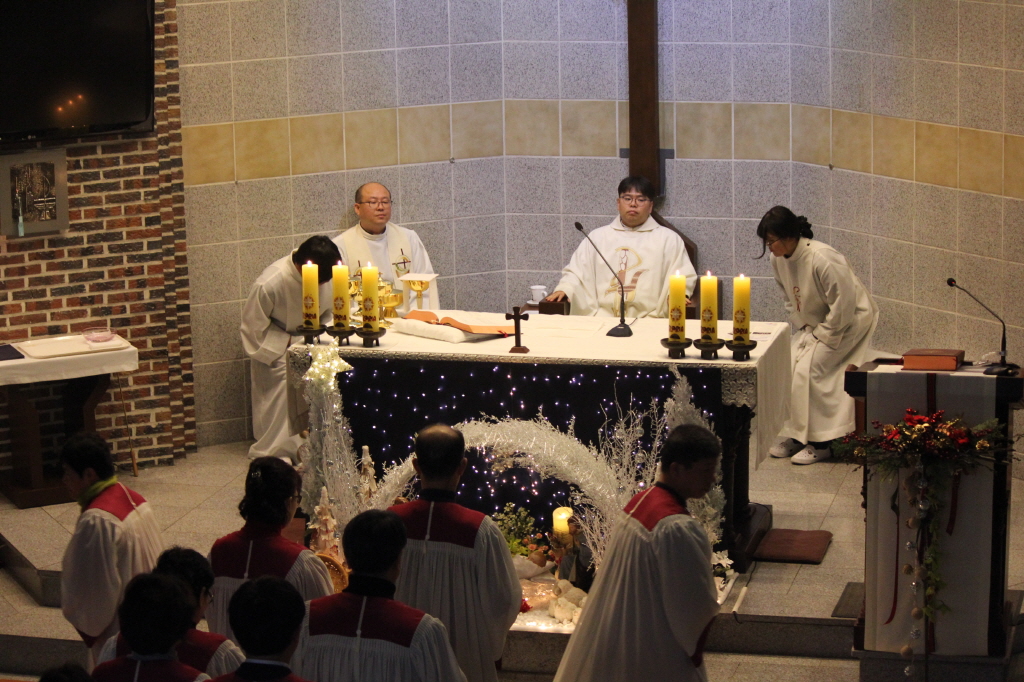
point(28, 370)
point(762, 383)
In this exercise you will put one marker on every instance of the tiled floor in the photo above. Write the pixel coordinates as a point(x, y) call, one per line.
point(743, 668)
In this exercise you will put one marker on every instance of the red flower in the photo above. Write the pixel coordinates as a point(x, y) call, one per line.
point(525, 606)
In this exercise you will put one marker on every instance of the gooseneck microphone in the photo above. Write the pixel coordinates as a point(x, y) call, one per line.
point(621, 329)
point(1003, 368)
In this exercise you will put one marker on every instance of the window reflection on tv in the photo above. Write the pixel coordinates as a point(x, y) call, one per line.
point(71, 68)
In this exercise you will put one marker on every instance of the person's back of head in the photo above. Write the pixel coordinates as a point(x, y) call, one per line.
point(638, 184)
point(69, 672)
point(265, 615)
point(270, 484)
point(88, 451)
point(688, 444)
point(189, 566)
point(320, 250)
point(373, 542)
point(155, 613)
point(440, 450)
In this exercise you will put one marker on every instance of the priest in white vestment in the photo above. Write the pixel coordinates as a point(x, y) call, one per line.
point(271, 313)
point(654, 598)
point(116, 538)
point(834, 317)
point(457, 565)
point(393, 249)
point(363, 633)
point(643, 254)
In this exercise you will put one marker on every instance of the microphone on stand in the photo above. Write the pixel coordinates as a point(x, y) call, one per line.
point(621, 329)
point(1003, 368)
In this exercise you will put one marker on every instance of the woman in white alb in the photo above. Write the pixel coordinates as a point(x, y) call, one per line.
point(833, 316)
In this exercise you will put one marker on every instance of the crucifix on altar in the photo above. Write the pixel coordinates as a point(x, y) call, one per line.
point(516, 316)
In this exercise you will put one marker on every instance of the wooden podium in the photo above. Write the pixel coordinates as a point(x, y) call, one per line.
point(974, 545)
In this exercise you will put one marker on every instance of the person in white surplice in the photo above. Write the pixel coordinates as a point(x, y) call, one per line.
point(643, 253)
point(834, 317)
point(654, 598)
point(395, 250)
point(457, 566)
point(271, 313)
point(116, 538)
point(272, 492)
point(363, 633)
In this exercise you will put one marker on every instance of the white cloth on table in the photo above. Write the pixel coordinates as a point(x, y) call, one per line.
point(652, 601)
point(834, 317)
point(348, 636)
point(644, 257)
point(272, 310)
point(463, 575)
point(116, 538)
point(396, 252)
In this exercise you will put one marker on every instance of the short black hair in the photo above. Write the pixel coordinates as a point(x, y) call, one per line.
point(69, 672)
point(155, 613)
point(439, 450)
point(88, 451)
point(270, 483)
point(321, 251)
point(189, 566)
point(784, 224)
point(373, 541)
point(265, 614)
point(359, 190)
point(637, 183)
point(688, 444)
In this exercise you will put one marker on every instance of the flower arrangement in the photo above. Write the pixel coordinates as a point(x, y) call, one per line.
point(519, 529)
point(927, 455)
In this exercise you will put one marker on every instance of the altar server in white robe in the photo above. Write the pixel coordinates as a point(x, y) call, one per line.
point(272, 491)
point(363, 633)
point(116, 538)
point(833, 316)
point(271, 313)
point(207, 652)
point(395, 250)
point(457, 566)
point(643, 253)
point(654, 598)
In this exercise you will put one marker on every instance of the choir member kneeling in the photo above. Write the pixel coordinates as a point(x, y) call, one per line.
point(363, 633)
point(654, 597)
point(266, 615)
point(155, 615)
point(208, 652)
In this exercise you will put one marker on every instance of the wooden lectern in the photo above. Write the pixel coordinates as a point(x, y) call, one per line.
point(974, 545)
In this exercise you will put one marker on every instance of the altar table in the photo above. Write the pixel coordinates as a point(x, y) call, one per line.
point(88, 377)
point(748, 400)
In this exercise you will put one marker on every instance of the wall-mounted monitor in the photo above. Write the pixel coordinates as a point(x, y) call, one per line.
point(74, 68)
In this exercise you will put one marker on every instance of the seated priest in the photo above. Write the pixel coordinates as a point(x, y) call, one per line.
point(654, 597)
point(393, 249)
point(271, 313)
point(643, 254)
point(457, 566)
point(363, 633)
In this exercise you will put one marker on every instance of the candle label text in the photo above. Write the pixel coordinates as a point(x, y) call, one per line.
point(676, 325)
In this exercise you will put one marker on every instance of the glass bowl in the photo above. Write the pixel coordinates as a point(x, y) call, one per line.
point(98, 334)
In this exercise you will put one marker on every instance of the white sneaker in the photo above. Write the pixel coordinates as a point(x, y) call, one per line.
point(811, 454)
point(785, 448)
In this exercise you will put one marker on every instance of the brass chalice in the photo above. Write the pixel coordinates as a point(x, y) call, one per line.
point(419, 286)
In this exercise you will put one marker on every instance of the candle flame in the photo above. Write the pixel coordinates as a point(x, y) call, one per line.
point(709, 273)
point(742, 276)
point(677, 273)
point(309, 262)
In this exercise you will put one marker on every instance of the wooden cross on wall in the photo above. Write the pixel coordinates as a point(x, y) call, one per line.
point(644, 120)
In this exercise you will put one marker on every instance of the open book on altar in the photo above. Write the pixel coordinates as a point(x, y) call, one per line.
point(427, 324)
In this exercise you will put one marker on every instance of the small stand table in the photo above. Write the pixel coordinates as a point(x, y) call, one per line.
point(88, 377)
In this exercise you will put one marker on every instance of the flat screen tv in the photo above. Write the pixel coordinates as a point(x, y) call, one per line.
point(74, 68)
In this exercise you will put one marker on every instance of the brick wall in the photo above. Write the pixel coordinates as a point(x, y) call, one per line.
point(123, 261)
